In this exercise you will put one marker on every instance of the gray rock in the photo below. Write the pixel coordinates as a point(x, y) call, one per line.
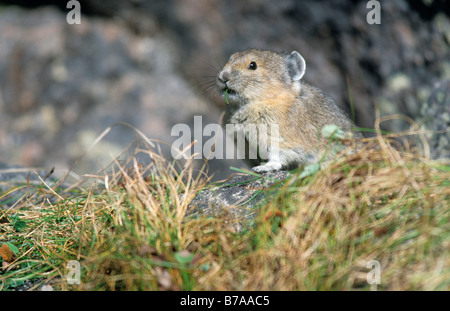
point(19, 177)
point(62, 85)
point(238, 197)
point(436, 118)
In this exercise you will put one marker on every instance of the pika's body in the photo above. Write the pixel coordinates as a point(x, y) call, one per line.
point(264, 87)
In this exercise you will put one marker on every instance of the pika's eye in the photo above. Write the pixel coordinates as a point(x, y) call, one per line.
point(252, 66)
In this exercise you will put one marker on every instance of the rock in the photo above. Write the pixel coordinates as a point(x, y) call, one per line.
point(16, 176)
point(62, 85)
point(436, 118)
point(239, 197)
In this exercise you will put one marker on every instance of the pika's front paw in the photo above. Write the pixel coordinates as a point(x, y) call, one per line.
point(269, 166)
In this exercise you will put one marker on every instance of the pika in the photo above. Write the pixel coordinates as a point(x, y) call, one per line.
point(265, 87)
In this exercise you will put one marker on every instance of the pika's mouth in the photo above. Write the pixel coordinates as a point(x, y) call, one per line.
point(230, 95)
point(229, 91)
point(225, 90)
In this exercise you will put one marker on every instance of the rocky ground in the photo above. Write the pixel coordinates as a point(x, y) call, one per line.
point(239, 197)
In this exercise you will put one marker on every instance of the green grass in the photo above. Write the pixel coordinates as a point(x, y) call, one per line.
point(317, 233)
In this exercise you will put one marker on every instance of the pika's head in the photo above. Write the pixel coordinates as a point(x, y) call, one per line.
point(255, 75)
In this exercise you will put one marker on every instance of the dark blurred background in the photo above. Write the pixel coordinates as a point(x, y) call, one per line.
point(152, 64)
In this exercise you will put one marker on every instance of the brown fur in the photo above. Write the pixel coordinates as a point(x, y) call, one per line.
point(268, 95)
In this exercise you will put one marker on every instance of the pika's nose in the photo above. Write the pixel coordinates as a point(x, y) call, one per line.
point(224, 76)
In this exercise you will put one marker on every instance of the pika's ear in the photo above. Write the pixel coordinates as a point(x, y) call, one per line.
point(296, 65)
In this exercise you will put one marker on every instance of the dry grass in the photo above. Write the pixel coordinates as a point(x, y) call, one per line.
point(318, 233)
